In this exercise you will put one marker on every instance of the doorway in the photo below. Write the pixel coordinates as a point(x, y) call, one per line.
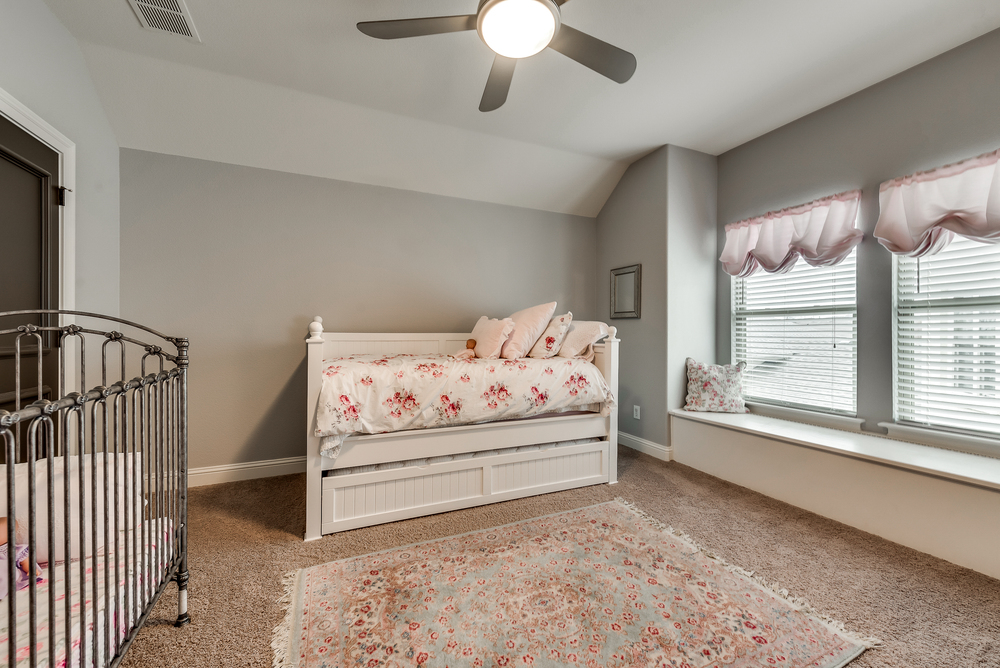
point(30, 195)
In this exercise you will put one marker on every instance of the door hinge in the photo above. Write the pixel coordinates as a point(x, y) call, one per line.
point(62, 195)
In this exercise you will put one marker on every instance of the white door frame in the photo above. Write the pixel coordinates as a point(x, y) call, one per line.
point(34, 125)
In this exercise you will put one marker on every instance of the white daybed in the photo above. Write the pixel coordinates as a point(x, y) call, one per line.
point(341, 502)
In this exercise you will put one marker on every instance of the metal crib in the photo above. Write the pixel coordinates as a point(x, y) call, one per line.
point(102, 472)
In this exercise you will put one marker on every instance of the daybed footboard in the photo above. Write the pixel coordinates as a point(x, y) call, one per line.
point(519, 469)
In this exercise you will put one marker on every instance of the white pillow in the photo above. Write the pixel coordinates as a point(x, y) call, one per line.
point(581, 334)
point(490, 335)
point(58, 486)
point(551, 340)
point(529, 325)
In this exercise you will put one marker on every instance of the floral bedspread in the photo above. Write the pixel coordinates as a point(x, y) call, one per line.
point(108, 621)
point(372, 394)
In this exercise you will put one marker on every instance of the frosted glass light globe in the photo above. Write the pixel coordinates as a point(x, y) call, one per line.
point(517, 28)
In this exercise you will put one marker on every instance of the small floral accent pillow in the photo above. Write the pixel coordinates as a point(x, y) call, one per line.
point(551, 340)
point(715, 388)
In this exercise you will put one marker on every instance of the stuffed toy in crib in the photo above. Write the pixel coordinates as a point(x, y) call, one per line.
point(20, 555)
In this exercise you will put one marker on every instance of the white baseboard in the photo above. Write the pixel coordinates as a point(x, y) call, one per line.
point(213, 475)
point(642, 445)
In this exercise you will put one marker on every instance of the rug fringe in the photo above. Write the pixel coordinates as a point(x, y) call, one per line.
point(796, 602)
point(281, 641)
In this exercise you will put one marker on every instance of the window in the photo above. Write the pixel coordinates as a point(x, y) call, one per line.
point(947, 338)
point(797, 332)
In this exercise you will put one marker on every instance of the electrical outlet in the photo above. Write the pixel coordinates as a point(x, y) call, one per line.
point(635, 412)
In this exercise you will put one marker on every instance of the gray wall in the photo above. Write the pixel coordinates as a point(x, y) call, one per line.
point(662, 214)
point(941, 111)
point(240, 259)
point(42, 67)
point(691, 259)
point(632, 229)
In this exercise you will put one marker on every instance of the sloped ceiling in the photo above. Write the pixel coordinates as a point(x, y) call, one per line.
point(294, 86)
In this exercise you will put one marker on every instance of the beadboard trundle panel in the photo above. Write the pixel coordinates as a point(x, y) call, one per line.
point(357, 500)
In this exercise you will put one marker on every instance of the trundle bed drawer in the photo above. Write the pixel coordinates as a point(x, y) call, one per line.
point(363, 499)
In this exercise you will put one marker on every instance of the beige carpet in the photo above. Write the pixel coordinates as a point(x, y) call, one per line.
point(245, 535)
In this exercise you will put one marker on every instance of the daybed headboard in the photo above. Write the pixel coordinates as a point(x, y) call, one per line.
point(341, 344)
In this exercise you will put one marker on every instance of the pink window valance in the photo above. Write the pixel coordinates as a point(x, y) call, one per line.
point(822, 233)
point(920, 214)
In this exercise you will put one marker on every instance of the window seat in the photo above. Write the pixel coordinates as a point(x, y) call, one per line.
point(968, 468)
point(937, 501)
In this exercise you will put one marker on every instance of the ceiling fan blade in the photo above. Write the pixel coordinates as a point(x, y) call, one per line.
point(614, 63)
point(434, 25)
point(498, 84)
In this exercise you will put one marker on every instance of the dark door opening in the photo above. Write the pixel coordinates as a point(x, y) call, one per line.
point(29, 258)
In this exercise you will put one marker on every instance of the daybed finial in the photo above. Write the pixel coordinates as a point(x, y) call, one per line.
point(612, 332)
point(316, 328)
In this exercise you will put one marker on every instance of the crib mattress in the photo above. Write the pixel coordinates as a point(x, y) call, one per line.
point(84, 613)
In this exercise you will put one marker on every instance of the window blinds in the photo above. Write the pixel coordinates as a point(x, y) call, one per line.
point(797, 332)
point(947, 330)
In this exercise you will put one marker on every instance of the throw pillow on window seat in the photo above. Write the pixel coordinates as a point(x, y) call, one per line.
point(715, 388)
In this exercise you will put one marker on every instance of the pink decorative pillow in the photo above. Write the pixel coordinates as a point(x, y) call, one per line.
point(490, 335)
point(588, 354)
point(581, 335)
point(551, 340)
point(715, 388)
point(529, 325)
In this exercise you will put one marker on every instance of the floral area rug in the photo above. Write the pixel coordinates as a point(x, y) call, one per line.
point(603, 586)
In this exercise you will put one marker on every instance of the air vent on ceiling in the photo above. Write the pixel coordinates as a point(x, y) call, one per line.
point(170, 16)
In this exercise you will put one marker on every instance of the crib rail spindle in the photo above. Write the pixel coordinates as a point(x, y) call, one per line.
point(119, 493)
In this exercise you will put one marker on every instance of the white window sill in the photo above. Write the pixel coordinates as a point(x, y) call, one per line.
point(949, 464)
point(808, 417)
point(975, 445)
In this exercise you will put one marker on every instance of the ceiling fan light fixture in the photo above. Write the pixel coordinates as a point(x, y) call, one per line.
point(518, 28)
point(513, 29)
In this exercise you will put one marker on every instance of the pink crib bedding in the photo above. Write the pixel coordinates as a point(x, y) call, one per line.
point(55, 577)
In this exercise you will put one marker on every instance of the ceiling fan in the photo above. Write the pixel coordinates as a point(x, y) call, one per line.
point(515, 29)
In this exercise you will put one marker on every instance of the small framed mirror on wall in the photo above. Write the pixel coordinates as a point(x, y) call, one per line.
point(626, 283)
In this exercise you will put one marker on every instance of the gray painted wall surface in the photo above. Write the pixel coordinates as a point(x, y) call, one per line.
point(41, 65)
point(941, 111)
point(662, 215)
point(632, 229)
point(691, 229)
point(255, 254)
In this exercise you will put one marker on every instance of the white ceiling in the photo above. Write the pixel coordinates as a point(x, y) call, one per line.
point(711, 74)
